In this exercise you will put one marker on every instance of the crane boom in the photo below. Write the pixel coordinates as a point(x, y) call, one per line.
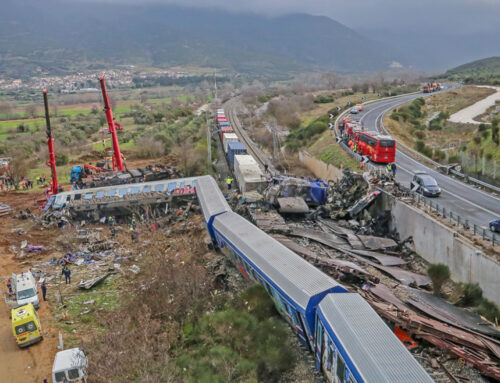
point(117, 156)
point(50, 143)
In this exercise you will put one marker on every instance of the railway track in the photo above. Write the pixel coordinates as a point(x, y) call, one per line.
point(251, 146)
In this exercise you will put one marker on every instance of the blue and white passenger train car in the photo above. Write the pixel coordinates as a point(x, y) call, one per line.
point(351, 343)
point(354, 345)
point(294, 284)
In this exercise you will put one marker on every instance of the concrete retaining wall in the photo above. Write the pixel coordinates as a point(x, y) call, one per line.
point(319, 168)
point(437, 243)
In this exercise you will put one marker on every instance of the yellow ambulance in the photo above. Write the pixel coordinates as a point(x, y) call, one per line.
point(26, 325)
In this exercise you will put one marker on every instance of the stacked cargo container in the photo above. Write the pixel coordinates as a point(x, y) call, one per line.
point(234, 148)
point(248, 174)
point(227, 138)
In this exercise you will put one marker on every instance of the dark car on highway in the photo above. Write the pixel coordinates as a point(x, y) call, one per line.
point(425, 184)
point(495, 225)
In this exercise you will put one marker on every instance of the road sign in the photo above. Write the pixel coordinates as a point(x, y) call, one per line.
point(339, 108)
point(390, 92)
point(380, 95)
point(365, 159)
point(363, 98)
point(349, 103)
point(330, 126)
point(331, 116)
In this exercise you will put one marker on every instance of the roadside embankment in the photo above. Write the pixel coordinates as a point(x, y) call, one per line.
point(437, 243)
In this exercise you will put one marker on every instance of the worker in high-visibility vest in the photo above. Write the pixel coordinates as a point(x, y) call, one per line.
point(229, 183)
point(389, 168)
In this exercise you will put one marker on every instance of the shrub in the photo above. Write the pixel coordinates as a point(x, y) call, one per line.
point(420, 145)
point(439, 274)
point(482, 127)
point(488, 309)
point(427, 151)
point(435, 124)
point(147, 147)
point(470, 295)
point(485, 134)
point(477, 140)
point(420, 134)
point(324, 99)
point(453, 159)
point(61, 159)
point(438, 155)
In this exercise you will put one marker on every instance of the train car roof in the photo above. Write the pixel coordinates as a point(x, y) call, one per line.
point(363, 335)
point(297, 278)
point(211, 199)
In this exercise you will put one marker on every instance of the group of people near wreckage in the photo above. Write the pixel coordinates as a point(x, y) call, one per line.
point(132, 226)
point(8, 184)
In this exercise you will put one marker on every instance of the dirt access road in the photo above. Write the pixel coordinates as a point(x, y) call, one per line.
point(34, 363)
point(466, 116)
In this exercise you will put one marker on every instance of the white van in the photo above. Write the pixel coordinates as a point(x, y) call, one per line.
point(26, 289)
point(70, 366)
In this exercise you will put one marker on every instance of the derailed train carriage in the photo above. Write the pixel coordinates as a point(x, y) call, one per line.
point(350, 341)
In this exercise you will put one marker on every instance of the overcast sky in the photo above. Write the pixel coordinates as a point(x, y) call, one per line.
point(455, 17)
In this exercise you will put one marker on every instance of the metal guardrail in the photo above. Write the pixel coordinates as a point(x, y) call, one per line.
point(475, 229)
point(486, 234)
point(438, 165)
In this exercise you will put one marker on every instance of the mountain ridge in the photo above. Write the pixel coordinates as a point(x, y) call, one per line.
point(60, 37)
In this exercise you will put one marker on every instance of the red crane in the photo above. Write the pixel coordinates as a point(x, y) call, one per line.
point(112, 124)
point(51, 163)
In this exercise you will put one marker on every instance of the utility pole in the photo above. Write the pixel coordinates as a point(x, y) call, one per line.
point(215, 86)
point(209, 144)
point(54, 186)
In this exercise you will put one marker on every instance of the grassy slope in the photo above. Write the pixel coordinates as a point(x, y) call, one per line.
point(451, 134)
point(325, 147)
point(485, 71)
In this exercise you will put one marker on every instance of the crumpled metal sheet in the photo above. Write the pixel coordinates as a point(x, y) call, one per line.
point(405, 277)
point(440, 309)
point(384, 260)
point(376, 243)
point(326, 239)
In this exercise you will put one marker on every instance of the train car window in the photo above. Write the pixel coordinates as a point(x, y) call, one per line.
point(146, 189)
point(159, 188)
point(111, 193)
point(123, 191)
point(134, 190)
point(88, 196)
point(78, 197)
point(340, 368)
point(99, 194)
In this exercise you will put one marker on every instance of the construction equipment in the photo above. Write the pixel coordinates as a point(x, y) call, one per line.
point(113, 127)
point(51, 163)
point(78, 172)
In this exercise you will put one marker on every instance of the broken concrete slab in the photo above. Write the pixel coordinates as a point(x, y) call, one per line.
point(292, 205)
point(405, 277)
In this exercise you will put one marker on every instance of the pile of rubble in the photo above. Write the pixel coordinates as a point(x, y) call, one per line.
point(358, 249)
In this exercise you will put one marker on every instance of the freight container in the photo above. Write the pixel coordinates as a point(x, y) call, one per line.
point(220, 111)
point(242, 160)
point(225, 129)
point(221, 118)
point(227, 138)
point(250, 178)
point(234, 148)
point(224, 123)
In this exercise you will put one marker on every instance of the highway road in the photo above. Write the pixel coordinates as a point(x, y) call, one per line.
point(470, 203)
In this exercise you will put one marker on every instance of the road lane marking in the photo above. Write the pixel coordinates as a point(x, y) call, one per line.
point(457, 196)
